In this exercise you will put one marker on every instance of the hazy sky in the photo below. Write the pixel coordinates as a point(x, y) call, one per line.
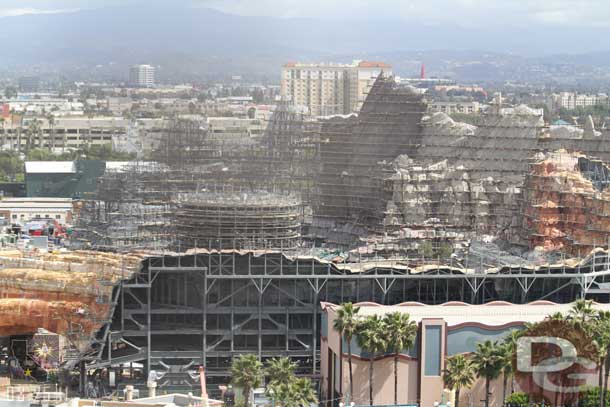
point(467, 13)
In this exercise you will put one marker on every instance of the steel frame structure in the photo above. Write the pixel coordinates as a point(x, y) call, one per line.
point(181, 311)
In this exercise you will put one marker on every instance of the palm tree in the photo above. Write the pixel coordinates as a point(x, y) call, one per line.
point(400, 335)
point(600, 332)
point(595, 324)
point(280, 393)
point(51, 120)
point(582, 312)
point(297, 392)
point(280, 370)
point(303, 392)
point(487, 361)
point(346, 324)
point(247, 372)
point(506, 362)
point(371, 335)
point(458, 373)
point(2, 120)
point(510, 340)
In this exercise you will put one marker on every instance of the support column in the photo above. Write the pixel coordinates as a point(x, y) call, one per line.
point(315, 335)
point(148, 322)
point(82, 379)
point(204, 322)
point(260, 324)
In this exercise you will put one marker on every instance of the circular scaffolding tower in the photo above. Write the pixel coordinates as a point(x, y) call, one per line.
point(230, 220)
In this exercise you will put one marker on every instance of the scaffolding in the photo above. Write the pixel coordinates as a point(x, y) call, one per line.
point(139, 207)
point(209, 306)
point(232, 220)
point(566, 205)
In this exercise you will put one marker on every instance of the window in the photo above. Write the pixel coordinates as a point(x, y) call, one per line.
point(14, 216)
point(433, 350)
point(57, 216)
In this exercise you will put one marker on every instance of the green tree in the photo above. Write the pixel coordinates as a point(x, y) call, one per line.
point(2, 123)
point(506, 360)
point(487, 362)
point(599, 329)
point(280, 370)
point(510, 341)
point(445, 251)
point(426, 250)
point(346, 323)
point(40, 154)
point(31, 132)
point(518, 399)
point(304, 392)
point(281, 394)
point(296, 392)
point(582, 312)
point(247, 372)
point(11, 166)
point(590, 397)
point(458, 374)
point(401, 331)
point(371, 337)
point(10, 92)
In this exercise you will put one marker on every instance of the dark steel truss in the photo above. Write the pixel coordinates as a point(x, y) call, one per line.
point(179, 312)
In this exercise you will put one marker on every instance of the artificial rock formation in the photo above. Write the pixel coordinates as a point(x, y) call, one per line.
point(567, 203)
point(66, 293)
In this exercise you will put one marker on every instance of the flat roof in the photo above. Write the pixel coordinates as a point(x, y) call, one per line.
point(495, 313)
point(45, 167)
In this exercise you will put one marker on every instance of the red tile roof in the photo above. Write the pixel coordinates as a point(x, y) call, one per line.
point(372, 64)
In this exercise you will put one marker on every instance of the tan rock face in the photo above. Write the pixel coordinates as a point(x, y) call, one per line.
point(563, 210)
point(68, 294)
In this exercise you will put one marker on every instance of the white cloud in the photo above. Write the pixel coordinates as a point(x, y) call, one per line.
point(14, 12)
point(471, 13)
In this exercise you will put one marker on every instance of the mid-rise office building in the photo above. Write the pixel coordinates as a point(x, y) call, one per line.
point(29, 84)
point(572, 100)
point(142, 76)
point(328, 89)
point(61, 133)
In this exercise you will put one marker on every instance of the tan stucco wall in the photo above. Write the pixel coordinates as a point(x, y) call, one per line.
point(383, 380)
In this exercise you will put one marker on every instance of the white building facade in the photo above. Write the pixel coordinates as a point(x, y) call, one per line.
point(329, 89)
point(142, 76)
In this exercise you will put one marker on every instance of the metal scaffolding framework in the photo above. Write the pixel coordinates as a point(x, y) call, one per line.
point(180, 311)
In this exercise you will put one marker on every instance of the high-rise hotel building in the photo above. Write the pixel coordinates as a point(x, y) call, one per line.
point(328, 89)
point(142, 76)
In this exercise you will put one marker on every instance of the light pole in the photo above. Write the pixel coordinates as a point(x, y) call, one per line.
point(272, 394)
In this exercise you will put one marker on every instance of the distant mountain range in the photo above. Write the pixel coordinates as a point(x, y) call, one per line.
point(198, 43)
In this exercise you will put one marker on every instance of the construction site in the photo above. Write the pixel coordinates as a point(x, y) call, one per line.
point(222, 246)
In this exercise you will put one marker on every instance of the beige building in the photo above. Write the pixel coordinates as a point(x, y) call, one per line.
point(21, 210)
point(443, 331)
point(572, 100)
point(328, 89)
point(468, 107)
point(62, 132)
